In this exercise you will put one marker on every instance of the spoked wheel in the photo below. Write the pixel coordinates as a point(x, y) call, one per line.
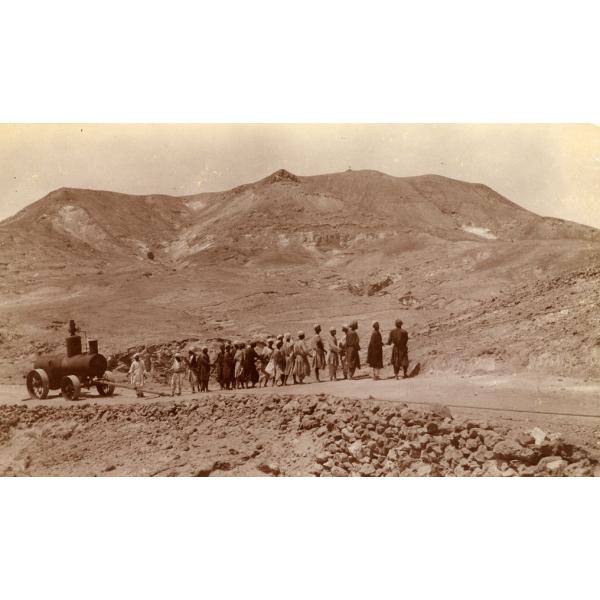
point(37, 384)
point(106, 389)
point(70, 387)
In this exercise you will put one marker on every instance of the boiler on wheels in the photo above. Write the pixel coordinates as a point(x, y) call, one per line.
point(72, 372)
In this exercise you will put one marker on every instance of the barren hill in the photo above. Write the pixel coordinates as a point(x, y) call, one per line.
point(287, 250)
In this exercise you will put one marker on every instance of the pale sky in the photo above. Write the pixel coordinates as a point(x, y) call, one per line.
point(553, 170)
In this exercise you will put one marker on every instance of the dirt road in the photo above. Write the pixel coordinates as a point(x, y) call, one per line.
point(525, 394)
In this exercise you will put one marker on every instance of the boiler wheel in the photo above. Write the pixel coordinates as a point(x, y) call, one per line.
point(106, 389)
point(70, 387)
point(37, 384)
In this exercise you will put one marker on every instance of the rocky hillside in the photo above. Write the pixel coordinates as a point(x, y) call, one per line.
point(280, 253)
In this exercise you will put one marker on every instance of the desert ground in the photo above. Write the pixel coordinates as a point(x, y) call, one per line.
point(519, 426)
point(501, 306)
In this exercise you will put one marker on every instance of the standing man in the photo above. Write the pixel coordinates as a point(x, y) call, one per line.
point(301, 354)
point(177, 370)
point(288, 350)
point(333, 354)
point(318, 349)
point(229, 367)
point(279, 363)
point(219, 366)
point(204, 369)
point(399, 339)
point(250, 358)
point(136, 374)
point(352, 349)
point(239, 365)
point(343, 361)
point(192, 366)
point(375, 352)
point(266, 364)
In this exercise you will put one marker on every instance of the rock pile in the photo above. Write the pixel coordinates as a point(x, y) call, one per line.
point(397, 440)
point(275, 434)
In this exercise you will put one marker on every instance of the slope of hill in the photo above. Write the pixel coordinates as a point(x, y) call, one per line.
point(278, 254)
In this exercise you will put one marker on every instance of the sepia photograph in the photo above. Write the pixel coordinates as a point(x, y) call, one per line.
point(299, 300)
point(329, 300)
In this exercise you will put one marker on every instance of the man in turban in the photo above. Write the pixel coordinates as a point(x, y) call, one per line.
point(375, 351)
point(352, 349)
point(398, 338)
point(318, 349)
point(301, 353)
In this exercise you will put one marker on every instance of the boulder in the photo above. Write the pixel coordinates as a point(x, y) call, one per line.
point(482, 454)
point(490, 438)
point(556, 467)
point(418, 469)
point(367, 470)
point(431, 427)
point(523, 438)
point(490, 469)
point(539, 435)
point(579, 469)
point(316, 469)
point(338, 471)
point(512, 450)
point(357, 450)
point(348, 434)
point(472, 444)
point(322, 457)
point(452, 454)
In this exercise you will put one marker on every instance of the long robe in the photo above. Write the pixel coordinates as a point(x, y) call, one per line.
point(375, 351)
point(318, 348)
point(399, 339)
point(288, 350)
point(352, 350)
point(250, 358)
point(343, 360)
point(266, 361)
point(228, 367)
point(333, 351)
point(219, 367)
point(204, 368)
point(301, 364)
point(278, 362)
point(193, 370)
point(239, 363)
point(136, 373)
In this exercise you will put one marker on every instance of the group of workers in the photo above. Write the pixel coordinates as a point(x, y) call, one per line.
point(276, 361)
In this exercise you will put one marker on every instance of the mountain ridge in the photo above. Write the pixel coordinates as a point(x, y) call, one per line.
point(288, 250)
